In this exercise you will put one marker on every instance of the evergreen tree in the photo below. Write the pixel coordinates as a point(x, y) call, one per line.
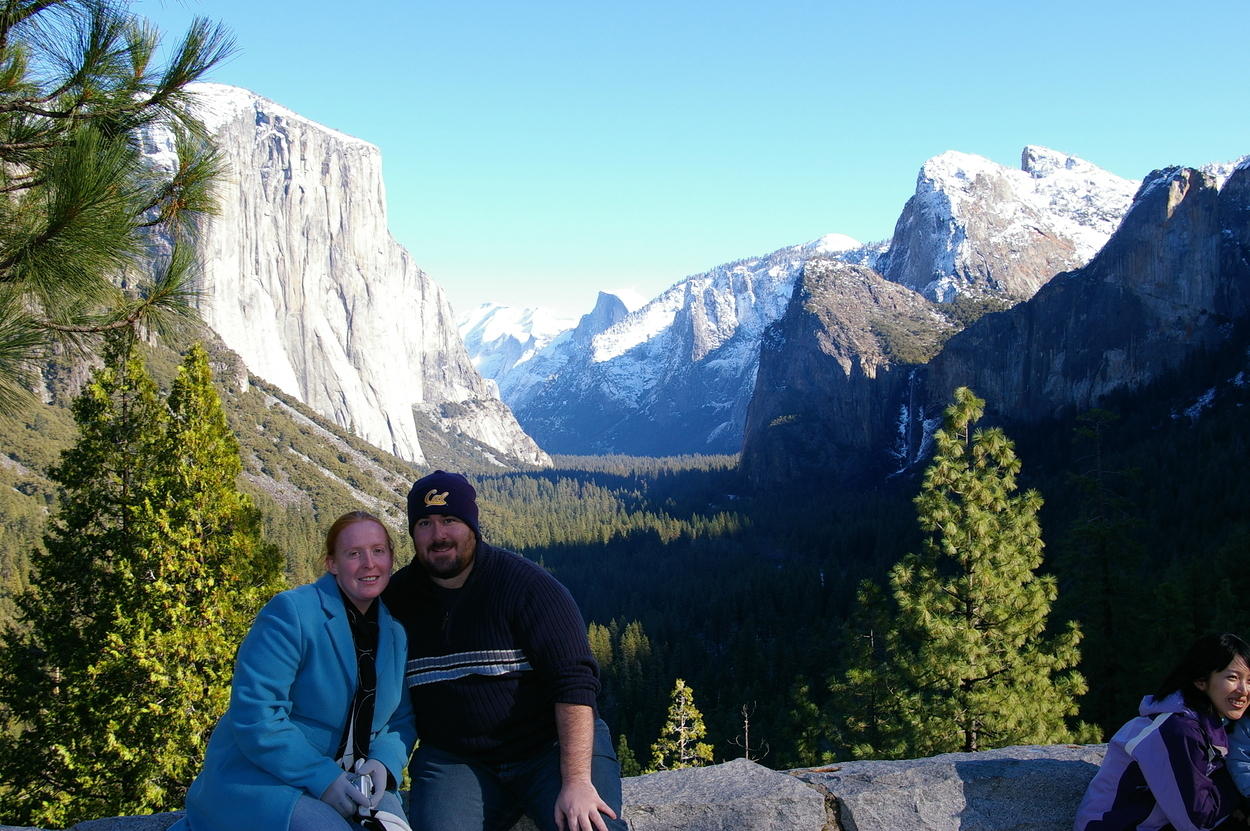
point(79, 201)
point(1102, 546)
point(865, 698)
point(625, 755)
point(806, 731)
point(678, 745)
point(152, 570)
point(967, 659)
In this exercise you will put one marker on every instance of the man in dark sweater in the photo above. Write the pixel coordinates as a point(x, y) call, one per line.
point(502, 681)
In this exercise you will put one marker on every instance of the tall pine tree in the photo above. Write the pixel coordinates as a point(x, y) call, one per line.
point(968, 664)
point(153, 569)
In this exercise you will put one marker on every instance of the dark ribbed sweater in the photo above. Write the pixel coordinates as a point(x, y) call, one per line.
point(488, 662)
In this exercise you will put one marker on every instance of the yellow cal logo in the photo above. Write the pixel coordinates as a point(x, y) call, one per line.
point(435, 498)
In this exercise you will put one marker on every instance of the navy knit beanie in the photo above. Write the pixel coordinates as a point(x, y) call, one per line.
point(449, 494)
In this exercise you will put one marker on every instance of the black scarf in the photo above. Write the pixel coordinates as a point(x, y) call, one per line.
point(354, 745)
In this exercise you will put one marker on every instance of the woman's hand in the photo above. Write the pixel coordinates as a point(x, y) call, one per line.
point(343, 796)
point(378, 776)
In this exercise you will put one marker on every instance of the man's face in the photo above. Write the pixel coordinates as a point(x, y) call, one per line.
point(445, 547)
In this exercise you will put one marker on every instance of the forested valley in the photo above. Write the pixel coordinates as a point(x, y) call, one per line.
point(684, 570)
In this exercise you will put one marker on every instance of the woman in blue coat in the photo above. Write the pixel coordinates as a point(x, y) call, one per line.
point(291, 749)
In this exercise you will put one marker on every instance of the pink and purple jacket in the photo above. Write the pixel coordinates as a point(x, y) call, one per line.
point(1164, 768)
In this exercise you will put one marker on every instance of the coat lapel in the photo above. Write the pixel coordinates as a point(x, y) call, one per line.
point(336, 629)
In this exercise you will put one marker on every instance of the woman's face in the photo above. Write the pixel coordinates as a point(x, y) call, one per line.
point(1228, 689)
point(361, 564)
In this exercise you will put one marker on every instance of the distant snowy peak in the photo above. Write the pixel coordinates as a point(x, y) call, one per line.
point(1220, 171)
point(976, 226)
point(492, 321)
point(1085, 201)
point(832, 244)
point(744, 295)
point(499, 337)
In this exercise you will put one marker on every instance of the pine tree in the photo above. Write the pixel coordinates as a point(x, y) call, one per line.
point(152, 570)
point(678, 745)
point(967, 659)
point(625, 755)
point(807, 731)
point(79, 202)
point(864, 699)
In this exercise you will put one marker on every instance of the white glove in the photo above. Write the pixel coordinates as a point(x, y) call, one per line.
point(343, 796)
point(373, 772)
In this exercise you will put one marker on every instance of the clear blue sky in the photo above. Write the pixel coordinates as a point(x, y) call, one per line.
point(535, 152)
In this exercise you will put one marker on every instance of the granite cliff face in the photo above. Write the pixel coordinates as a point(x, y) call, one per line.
point(832, 368)
point(303, 280)
point(976, 227)
point(1171, 283)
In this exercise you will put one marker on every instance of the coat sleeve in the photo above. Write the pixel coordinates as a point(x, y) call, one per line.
point(1239, 755)
point(260, 707)
point(1193, 791)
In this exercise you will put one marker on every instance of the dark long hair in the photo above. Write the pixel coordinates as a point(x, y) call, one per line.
point(1208, 654)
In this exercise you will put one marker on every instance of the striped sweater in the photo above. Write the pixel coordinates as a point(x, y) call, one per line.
point(488, 662)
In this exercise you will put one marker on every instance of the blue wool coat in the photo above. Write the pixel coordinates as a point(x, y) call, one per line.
point(294, 678)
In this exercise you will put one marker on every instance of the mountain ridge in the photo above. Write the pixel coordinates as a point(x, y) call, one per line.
point(677, 375)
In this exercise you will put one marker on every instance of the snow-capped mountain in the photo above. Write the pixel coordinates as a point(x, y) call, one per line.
point(1168, 292)
point(498, 338)
point(977, 227)
point(671, 377)
point(675, 376)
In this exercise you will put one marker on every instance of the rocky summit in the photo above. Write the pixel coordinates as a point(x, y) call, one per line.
point(1171, 286)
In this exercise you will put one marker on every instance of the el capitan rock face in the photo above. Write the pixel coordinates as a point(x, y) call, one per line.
point(304, 281)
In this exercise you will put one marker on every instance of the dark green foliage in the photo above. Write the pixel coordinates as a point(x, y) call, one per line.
point(967, 309)
point(121, 658)
point(966, 665)
point(79, 203)
point(625, 755)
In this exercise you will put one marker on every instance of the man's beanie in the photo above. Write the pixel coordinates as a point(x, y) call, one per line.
point(449, 494)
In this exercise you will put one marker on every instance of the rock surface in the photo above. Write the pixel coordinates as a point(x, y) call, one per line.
point(1010, 789)
point(303, 280)
point(977, 227)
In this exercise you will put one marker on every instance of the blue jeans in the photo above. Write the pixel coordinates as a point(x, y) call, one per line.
point(451, 793)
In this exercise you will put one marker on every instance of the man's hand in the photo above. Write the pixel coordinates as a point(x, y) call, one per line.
point(578, 808)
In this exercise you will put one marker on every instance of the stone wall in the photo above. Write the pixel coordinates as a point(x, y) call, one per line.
point(1010, 789)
